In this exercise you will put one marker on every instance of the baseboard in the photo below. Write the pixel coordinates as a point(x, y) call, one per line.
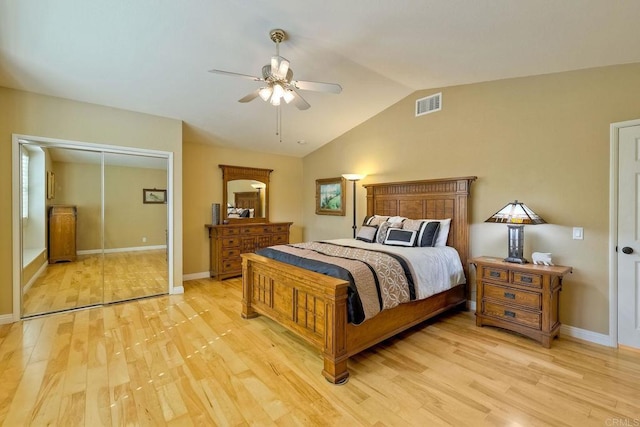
point(41, 270)
point(194, 276)
point(472, 305)
point(131, 249)
point(583, 334)
point(6, 318)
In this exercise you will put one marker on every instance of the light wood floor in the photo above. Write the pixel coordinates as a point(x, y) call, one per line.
point(94, 279)
point(192, 360)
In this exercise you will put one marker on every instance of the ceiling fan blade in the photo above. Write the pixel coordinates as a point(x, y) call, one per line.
point(244, 76)
point(317, 86)
point(250, 97)
point(299, 101)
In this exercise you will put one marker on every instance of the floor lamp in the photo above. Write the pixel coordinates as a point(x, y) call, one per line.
point(353, 177)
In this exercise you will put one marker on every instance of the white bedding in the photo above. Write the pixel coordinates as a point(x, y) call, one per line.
point(434, 269)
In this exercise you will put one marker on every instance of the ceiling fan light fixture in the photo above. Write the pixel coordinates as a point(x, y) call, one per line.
point(278, 92)
point(265, 92)
point(279, 67)
point(288, 96)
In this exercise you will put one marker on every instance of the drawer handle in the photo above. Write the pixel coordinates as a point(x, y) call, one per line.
point(494, 274)
point(509, 313)
point(526, 279)
point(509, 295)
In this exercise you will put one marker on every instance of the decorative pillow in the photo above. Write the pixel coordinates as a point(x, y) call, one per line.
point(443, 233)
point(377, 220)
point(412, 224)
point(397, 219)
point(367, 233)
point(428, 234)
point(400, 237)
point(382, 230)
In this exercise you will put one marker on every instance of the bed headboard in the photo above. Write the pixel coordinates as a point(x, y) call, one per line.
point(428, 199)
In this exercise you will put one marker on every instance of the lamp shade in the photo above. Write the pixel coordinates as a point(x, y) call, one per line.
point(353, 176)
point(516, 213)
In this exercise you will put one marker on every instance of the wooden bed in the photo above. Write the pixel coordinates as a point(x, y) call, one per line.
point(313, 305)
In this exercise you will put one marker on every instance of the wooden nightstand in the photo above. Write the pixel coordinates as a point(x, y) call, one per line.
point(523, 298)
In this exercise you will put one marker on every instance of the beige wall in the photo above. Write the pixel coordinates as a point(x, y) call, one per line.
point(543, 140)
point(38, 115)
point(127, 219)
point(203, 186)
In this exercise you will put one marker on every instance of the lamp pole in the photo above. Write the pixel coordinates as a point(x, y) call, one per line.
point(353, 177)
point(354, 209)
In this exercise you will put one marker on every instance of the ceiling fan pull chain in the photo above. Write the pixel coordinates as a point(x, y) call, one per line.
point(279, 122)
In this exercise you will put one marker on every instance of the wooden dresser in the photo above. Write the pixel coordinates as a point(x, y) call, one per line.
point(62, 233)
point(228, 241)
point(523, 298)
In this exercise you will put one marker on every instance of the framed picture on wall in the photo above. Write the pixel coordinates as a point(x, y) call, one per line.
point(51, 185)
point(154, 196)
point(330, 196)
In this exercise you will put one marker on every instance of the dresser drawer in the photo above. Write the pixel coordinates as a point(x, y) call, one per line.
point(263, 241)
point(280, 228)
point(230, 242)
point(513, 296)
point(523, 317)
point(231, 265)
point(229, 231)
point(497, 274)
point(279, 239)
point(526, 279)
point(228, 253)
point(254, 230)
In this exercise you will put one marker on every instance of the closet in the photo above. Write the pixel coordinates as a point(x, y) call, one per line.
point(102, 242)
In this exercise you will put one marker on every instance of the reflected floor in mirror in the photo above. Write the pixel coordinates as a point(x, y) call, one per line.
point(69, 285)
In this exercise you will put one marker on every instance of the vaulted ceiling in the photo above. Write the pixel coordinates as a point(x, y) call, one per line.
point(152, 56)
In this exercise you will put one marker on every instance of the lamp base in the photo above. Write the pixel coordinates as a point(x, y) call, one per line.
point(516, 260)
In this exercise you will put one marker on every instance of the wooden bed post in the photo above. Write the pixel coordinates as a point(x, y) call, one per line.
point(335, 343)
point(247, 291)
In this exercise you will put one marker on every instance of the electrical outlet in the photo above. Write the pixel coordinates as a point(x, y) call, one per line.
point(144, 240)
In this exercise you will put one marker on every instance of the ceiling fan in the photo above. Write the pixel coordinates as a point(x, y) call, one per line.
point(278, 77)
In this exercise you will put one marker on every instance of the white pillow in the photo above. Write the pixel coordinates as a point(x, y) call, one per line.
point(443, 233)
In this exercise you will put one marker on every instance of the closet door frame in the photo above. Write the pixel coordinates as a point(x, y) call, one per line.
point(17, 139)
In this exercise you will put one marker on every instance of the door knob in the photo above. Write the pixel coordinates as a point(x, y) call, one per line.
point(627, 250)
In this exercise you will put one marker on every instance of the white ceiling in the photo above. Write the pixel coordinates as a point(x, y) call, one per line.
point(152, 56)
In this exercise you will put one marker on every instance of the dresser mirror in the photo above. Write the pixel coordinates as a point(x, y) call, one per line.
point(245, 194)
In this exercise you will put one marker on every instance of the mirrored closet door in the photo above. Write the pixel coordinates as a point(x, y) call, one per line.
point(87, 235)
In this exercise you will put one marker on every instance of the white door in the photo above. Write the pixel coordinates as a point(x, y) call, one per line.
point(629, 237)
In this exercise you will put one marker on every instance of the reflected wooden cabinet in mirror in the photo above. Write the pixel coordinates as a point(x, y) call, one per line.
point(228, 241)
point(62, 233)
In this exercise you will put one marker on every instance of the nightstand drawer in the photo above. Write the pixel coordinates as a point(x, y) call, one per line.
point(526, 279)
point(523, 317)
point(495, 274)
point(513, 296)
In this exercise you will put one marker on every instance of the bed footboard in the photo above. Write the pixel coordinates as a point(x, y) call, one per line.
point(311, 305)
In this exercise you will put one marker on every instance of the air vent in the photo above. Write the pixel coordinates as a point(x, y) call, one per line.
point(429, 104)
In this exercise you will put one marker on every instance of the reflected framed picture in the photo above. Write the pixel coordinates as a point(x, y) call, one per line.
point(154, 196)
point(330, 196)
point(51, 185)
